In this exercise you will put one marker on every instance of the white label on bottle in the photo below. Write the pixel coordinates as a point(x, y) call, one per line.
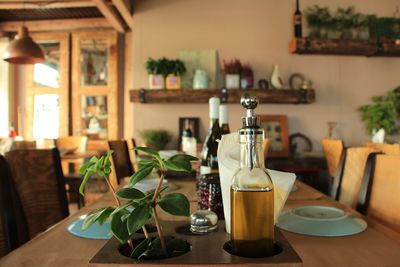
point(205, 170)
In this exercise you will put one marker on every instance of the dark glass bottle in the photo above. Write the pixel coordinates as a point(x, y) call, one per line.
point(223, 116)
point(209, 160)
point(297, 21)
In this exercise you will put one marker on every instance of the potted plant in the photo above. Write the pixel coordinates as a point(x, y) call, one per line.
point(156, 70)
point(361, 30)
point(317, 18)
point(345, 20)
point(134, 208)
point(232, 70)
point(382, 114)
point(175, 69)
point(246, 77)
point(156, 139)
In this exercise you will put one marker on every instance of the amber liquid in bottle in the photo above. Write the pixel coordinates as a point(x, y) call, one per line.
point(252, 214)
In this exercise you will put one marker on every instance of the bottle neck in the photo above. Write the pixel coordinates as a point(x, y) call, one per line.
point(213, 121)
point(251, 155)
point(297, 6)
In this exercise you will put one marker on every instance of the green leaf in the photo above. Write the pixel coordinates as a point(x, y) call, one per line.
point(139, 216)
point(175, 204)
point(122, 207)
point(149, 151)
point(150, 194)
point(99, 215)
point(140, 175)
point(182, 156)
point(85, 166)
point(146, 162)
point(179, 166)
point(119, 227)
point(130, 193)
point(153, 253)
point(88, 174)
point(141, 248)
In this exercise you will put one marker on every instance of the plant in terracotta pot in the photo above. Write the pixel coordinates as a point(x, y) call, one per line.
point(345, 20)
point(156, 139)
point(317, 20)
point(175, 69)
point(382, 114)
point(157, 71)
point(232, 70)
point(133, 208)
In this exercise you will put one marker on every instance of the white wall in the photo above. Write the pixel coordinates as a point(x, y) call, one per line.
point(258, 32)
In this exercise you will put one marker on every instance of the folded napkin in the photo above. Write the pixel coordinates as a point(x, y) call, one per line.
point(228, 161)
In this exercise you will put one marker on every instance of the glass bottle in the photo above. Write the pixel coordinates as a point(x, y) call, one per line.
point(297, 21)
point(252, 194)
point(223, 119)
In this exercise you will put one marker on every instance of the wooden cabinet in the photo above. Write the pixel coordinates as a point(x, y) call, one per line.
point(95, 84)
point(47, 87)
point(75, 91)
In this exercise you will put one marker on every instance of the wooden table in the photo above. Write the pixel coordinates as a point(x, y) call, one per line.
point(56, 247)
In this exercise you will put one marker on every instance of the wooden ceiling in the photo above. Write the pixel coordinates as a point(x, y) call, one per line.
point(45, 15)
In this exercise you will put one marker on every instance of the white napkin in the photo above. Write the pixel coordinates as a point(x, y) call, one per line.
point(228, 162)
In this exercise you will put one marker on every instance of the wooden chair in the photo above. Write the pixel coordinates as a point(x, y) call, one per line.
point(39, 183)
point(348, 184)
point(121, 161)
point(133, 154)
point(389, 149)
point(266, 147)
point(8, 230)
point(333, 149)
point(379, 196)
point(72, 144)
point(25, 144)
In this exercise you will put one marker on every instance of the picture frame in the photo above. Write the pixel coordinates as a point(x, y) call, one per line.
point(276, 130)
point(193, 124)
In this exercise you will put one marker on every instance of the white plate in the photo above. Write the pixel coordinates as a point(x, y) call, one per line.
point(95, 231)
point(321, 221)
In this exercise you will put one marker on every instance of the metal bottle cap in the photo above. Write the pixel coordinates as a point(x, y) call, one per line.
point(203, 221)
point(250, 103)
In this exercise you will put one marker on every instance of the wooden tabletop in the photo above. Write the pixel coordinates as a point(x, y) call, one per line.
point(56, 247)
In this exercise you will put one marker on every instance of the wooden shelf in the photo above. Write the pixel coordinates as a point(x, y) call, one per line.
point(368, 48)
point(281, 96)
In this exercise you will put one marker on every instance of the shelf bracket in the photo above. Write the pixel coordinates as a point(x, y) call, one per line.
point(142, 95)
point(224, 95)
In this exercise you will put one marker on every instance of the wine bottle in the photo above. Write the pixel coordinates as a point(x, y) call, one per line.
point(223, 116)
point(297, 21)
point(209, 160)
point(252, 195)
point(189, 143)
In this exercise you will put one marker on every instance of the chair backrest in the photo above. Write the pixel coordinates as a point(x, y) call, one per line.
point(354, 167)
point(333, 149)
point(379, 199)
point(133, 153)
point(40, 185)
point(266, 147)
point(73, 142)
point(389, 149)
point(25, 144)
point(8, 230)
point(121, 160)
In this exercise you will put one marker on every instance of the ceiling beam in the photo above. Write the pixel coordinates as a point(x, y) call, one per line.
point(45, 4)
point(55, 24)
point(110, 14)
point(123, 9)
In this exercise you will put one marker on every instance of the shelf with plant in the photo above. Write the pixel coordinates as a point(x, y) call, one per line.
point(165, 73)
point(133, 208)
point(279, 96)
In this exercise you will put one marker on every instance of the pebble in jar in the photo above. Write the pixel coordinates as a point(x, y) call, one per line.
point(252, 194)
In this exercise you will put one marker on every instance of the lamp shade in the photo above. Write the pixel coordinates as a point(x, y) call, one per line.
point(23, 50)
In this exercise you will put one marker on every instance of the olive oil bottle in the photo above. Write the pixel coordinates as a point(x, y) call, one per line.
point(252, 194)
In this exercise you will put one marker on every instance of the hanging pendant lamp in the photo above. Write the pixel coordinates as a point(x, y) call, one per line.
point(23, 50)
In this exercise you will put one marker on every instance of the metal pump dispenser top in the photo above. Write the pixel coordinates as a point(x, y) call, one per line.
point(250, 133)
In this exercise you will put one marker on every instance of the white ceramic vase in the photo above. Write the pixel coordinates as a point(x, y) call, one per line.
point(276, 78)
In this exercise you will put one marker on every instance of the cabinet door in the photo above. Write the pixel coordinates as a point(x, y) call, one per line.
point(95, 84)
point(47, 87)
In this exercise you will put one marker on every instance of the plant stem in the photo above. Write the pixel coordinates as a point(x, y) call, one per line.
point(112, 190)
point(160, 235)
point(156, 192)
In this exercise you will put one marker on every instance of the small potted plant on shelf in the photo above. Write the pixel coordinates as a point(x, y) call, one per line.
point(382, 115)
point(133, 208)
point(157, 71)
point(156, 139)
point(175, 69)
point(345, 20)
point(317, 20)
point(232, 70)
point(246, 77)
